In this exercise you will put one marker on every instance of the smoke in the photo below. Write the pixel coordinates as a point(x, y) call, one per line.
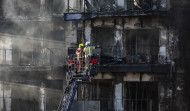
point(29, 28)
point(15, 96)
point(9, 10)
point(21, 8)
point(31, 36)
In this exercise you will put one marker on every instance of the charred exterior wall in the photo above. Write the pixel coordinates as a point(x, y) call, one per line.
point(171, 33)
point(134, 36)
point(179, 22)
point(127, 91)
point(36, 25)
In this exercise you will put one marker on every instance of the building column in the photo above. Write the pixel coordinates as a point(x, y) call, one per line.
point(118, 37)
point(5, 97)
point(42, 98)
point(87, 30)
point(118, 97)
point(42, 7)
point(163, 46)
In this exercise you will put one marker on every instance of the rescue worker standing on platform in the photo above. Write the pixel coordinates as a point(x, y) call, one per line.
point(88, 54)
point(79, 54)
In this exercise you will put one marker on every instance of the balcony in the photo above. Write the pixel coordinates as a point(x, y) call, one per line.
point(113, 59)
point(88, 9)
point(44, 59)
point(131, 59)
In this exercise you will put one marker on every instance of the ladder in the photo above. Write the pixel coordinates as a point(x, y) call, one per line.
point(68, 95)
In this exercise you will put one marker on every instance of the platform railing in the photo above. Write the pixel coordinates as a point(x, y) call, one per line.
point(78, 63)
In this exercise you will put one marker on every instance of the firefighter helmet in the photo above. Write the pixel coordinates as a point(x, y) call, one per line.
point(81, 45)
point(87, 43)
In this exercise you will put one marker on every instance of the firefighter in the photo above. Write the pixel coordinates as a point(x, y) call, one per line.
point(88, 54)
point(136, 3)
point(79, 54)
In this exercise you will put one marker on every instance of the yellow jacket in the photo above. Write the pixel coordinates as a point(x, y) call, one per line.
point(88, 50)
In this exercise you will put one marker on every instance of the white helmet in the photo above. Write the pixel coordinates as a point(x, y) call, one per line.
point(87, 43)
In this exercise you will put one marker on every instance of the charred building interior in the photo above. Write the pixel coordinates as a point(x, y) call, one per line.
point(143, 63)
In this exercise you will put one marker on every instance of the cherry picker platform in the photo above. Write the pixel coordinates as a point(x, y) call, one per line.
point(81, 71)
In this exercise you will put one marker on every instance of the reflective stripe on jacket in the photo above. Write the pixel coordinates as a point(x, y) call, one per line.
point(88, 50)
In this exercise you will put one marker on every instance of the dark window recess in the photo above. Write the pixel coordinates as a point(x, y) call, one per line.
point(25, 105)
point(58, 6)
point(49, 6)
point(79, 36)
point(103, 36)
point(26, 58)
point(1, 8)
point(9, 27)
point(106, 96)
point(136, 46)
point(27, 8)
point(103, 90)
point(141, 96)
point(16, 57)
point(54, 84)
point(100, 90)
point(141, 46)
point(56, 35)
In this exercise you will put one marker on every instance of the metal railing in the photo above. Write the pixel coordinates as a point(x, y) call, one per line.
point(126, 55)
point(133, 104)
point(86, 106)
point(125, 104)
point(80, 63)
point(86, 6)
point(76, 64)
point(32, 57)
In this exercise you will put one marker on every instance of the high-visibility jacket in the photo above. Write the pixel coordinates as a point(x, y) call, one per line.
point(79, 51)
point(88, 50)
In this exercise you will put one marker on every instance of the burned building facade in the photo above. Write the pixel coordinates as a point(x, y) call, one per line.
point(141, 68)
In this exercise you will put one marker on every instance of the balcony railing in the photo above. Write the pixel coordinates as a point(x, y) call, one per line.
point(127, 55)
point(99, 6)
point(32, 57)
point(119, 59)
point(122, 104)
